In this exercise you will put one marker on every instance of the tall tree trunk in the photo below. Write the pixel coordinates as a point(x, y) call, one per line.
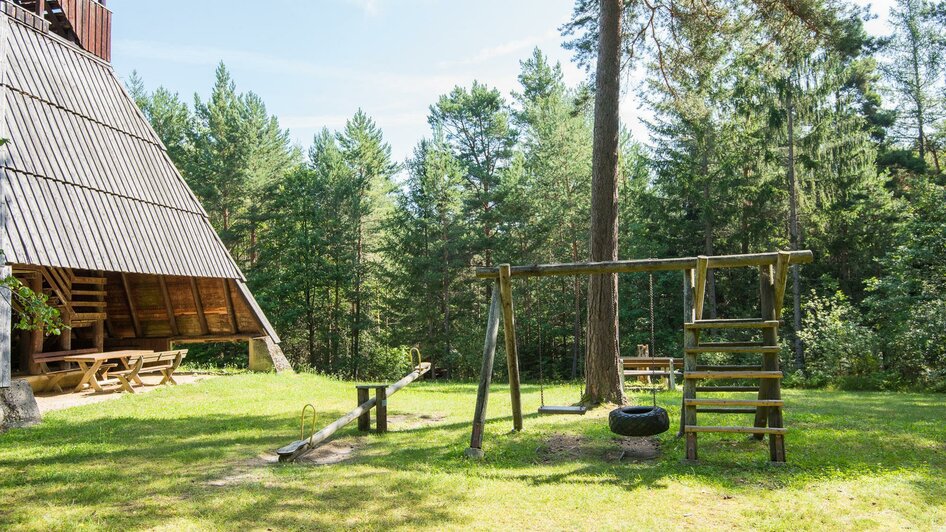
point(793, 233)
point(576, 321)
point(356, 305)
point(602, 378)
point(709, 247)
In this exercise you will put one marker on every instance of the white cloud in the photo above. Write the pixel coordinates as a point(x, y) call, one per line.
point(384, 120)
point(207, 55)
point(511, 47)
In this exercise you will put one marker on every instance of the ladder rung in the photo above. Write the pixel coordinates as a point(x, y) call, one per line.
point(751, 323)
point(715, 410)
point(721, 389)
point(642, 373)
point(743, 430)
point(733, 375)
point(730, 344)
point(734, 402)
point(735, 349)
point(86, 304)
point(755, 367)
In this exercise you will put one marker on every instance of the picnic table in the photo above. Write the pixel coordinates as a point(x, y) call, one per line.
point(92, 363)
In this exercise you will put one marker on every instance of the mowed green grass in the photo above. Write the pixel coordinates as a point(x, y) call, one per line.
point(189, 458)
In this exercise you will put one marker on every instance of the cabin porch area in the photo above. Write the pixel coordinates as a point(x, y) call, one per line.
point(111, 311)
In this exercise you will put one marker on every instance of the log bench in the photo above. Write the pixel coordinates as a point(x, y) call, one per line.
point(652, 367)
point(67, 369)
point(163, 362)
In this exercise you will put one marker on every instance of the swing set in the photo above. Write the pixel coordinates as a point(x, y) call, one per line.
point(767, 407)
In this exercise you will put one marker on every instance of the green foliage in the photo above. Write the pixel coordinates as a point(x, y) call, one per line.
point(841, 351)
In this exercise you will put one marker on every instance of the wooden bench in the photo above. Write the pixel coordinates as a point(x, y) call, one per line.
point(163, 362)
point(56, 376)
point(652, 367)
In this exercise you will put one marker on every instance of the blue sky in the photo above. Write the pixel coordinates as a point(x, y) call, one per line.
point(315, 62)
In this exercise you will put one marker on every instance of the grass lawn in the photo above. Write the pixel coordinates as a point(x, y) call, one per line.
point(190, 458)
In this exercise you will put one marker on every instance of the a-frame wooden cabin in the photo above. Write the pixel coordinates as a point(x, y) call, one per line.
point(94, 213)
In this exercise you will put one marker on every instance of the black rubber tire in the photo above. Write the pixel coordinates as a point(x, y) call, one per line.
point(638, 420)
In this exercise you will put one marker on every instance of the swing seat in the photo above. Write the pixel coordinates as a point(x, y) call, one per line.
point(577, 410)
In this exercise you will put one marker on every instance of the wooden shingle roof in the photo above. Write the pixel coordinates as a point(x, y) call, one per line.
point(87, 184)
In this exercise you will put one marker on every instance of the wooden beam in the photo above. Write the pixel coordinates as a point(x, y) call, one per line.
point(780, 278)
point(512, 349)
point(643, 265)
point(98, 328)
point(486, 375)
point(38, 335)
point(132, 309)
point(213, 338)
point(702, 262)
point(199, 303)
point(168, 306)
point(231, 313)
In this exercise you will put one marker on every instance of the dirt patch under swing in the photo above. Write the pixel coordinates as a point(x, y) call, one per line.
point(563, 447)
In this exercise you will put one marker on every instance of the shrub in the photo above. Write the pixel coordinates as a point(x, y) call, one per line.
point(840, 350)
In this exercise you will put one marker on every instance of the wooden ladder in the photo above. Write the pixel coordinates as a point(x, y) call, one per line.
point(698, 378)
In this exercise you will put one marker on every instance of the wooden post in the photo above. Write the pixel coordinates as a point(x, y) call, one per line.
point(781, 276)
point(65, 337)
point(364, 420)
point(486, 374)
point(38, 335)
point(381, 409)
point(702, 263)
point(687, 318)
point(512, 350)
point(690, 339)
point(98, 327)
point(770, 388)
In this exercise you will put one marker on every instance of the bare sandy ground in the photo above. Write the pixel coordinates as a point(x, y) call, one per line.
point(49, 401)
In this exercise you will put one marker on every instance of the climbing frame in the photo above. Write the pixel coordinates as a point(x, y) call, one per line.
point(764, 368)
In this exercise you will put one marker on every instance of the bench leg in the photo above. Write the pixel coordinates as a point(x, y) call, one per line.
point(125, 384)
point(671, 379)
point(168, 378)
point(54, 383)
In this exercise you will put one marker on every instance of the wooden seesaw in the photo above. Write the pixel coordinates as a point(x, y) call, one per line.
point(299, 447)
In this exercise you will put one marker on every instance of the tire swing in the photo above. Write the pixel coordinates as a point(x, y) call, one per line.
point(641, 420)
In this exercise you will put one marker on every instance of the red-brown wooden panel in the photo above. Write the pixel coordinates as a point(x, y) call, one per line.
point(92, 23)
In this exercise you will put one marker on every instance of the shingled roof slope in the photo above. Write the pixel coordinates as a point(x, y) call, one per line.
point(87, 183)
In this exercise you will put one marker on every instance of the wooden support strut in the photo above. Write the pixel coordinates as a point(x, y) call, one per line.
point(231, 313)
point(199, 304)
point(132, 308)
point(512, 352)
point(168, 306)
point(486, 374)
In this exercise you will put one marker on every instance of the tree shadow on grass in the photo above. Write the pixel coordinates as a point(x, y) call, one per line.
point(143, 472)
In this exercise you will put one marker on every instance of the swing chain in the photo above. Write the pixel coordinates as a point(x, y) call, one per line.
point(653, 345)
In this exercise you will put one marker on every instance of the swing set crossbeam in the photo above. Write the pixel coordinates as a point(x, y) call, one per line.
point(644, 265)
